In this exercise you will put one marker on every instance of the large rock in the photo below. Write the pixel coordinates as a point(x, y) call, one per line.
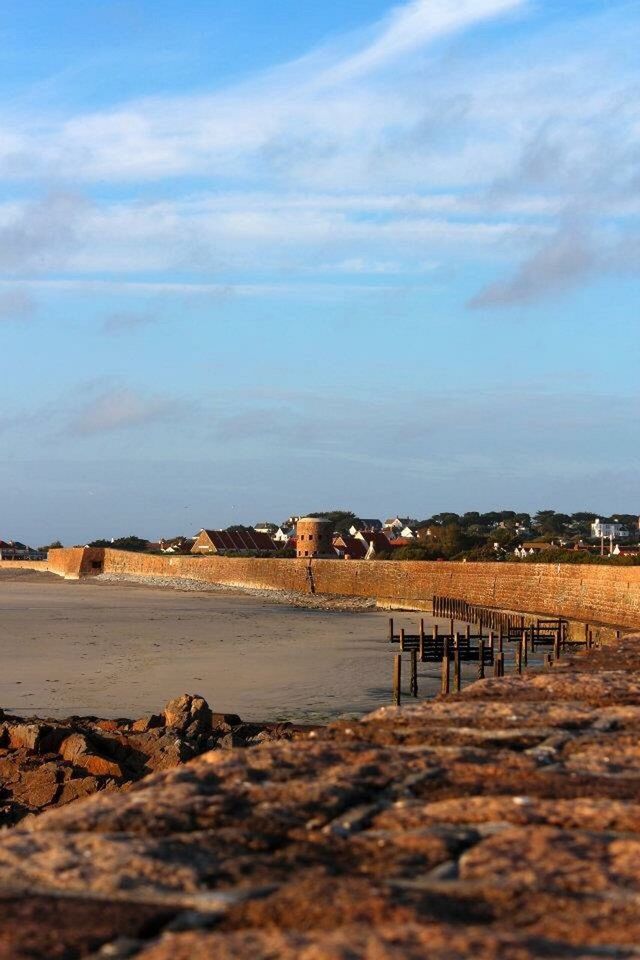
point(77, 750)
point(150, 722)
point(38, 787)
point(26, 736)
point(189, 715)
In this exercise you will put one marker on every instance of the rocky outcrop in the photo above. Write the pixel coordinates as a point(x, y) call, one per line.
point(500, 823)
point(49, 763)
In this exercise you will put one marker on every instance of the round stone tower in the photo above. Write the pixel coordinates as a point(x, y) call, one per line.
point(314, 538)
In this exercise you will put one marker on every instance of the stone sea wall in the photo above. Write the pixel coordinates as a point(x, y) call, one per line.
point(605, 595)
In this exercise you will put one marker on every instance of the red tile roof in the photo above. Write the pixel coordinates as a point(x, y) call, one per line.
point(352, 548)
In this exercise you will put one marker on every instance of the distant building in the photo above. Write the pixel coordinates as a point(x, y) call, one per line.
point(364, 524)
point(266, 527)
point(314, 538)
point(376, 542)
point(232, 541)
point(615, 530)
point(396, 526)
point(179, 545)
point(283, 537)
point(408, 533)
point(349, 548)
point(14, 550)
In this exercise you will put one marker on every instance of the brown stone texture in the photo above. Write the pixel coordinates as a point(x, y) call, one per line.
point(606, 595)
point(599, 595)
point(500, 823)
point(51, 763)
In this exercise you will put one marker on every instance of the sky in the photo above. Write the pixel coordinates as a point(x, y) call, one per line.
point(259, 259)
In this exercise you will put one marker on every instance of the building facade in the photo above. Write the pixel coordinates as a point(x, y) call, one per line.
point(314, 538)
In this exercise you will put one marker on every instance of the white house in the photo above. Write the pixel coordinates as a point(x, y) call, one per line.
point(283, 536)
point(408, 533)
point(368, 523)
point(608, 531)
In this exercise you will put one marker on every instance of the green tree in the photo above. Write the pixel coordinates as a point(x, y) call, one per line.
point(56, 545)
point(341, 520)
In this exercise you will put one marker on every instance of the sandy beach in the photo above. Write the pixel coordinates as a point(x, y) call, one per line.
point(123, 649)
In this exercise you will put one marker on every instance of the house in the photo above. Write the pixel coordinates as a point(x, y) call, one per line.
point(179, 545)
point(619, 551)
point(283, 537)
point(14, 550)
point(394, 524)
point(232, 541)
point(365, 524)
point(397, 527)
point(265, 527)
point(350, 548)
point(290, 523)
point(532, 547)
point(609, 531)
point(408, 533)
point(375, 542)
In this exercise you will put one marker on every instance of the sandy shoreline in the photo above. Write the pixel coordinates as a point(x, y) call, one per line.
point(121, 649)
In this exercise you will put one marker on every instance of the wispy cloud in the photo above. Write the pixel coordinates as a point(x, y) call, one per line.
point(38, 235)
point(556, 267)
point(410, 27)
point(122, 408)
point(376, 149)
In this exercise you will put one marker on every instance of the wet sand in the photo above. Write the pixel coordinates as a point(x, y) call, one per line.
point(118, 650)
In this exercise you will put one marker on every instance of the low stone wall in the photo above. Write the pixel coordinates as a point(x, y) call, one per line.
point(604, 595)
point(75, 562)
point(40, 565)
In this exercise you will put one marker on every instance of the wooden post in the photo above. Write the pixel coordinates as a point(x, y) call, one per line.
point(518, 655)
point(590, 639)
point(501, 639)
point(533, 638)
point(556, 647)
point(498, 665)
point(414, 673)
point(452, 630)
point(457, 680)
point(390, 629)
point(481, 657)
point(422, 651)
point(397, 679)
point(445, 684)
point(523, 642)
point(402, 638)
point(548, 660)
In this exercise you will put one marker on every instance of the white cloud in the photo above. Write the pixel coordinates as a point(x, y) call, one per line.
point(385, 152)
point(410, 27)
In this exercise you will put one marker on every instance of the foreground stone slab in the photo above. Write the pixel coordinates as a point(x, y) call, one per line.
point(501, 823)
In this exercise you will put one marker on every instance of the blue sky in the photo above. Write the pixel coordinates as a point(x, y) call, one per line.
point(258, 259)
